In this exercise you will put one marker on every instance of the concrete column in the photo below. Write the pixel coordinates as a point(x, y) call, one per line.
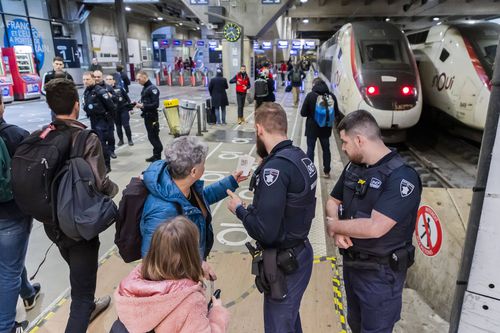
point(231, 62)
point(121, 25)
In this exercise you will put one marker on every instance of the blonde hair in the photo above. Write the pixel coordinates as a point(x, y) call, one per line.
point(173, 254)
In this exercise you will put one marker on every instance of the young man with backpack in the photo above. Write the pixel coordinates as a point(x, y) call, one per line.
point(320, 107)
point(15, 228)
point(295, 76)
point(264, 89)
point(60, 138)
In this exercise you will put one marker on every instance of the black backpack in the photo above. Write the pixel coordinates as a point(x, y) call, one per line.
point(37, 160)
point(261, 88)
point(82, 211)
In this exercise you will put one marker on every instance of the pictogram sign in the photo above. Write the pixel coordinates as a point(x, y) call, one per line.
point(428, 231)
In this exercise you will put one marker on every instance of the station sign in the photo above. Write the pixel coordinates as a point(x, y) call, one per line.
point(267, 45)
point(213, 44)
point(282, 44)
point(188, 43)
point(271, 2)
point(198, 2)
point(176, 42)
point(200, 43)
point(256, 45)
point(293, 52)
point(164, 43)
point(296, 44)
point(309, 45)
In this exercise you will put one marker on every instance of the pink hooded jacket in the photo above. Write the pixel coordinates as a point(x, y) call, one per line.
point(166, 306)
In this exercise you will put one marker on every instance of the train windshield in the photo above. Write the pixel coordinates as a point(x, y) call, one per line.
point(383, 54)
point(484, 41)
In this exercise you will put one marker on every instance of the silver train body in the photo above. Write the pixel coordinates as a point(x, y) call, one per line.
point(370, 66)
point(456, 66)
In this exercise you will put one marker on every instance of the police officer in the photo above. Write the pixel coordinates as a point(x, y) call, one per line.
point(123, 106)
point(150, 101)
point(371, 214)
point(281, 214)
point(99, 108)
point(99, 80)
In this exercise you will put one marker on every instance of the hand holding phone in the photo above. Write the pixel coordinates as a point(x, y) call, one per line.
point(215, 299)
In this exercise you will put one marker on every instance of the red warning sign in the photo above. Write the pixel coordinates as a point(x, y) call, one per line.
point(428, 231)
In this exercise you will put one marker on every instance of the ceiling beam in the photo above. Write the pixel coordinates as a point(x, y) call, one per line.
point(321, 3)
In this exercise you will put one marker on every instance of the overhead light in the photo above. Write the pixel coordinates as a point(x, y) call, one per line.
point(387, 19)
point(201, 23)
point(435, 18)
point(305, 21)
point(303, 1)
point(197, 28)
point(159, 18)
point(180, 23)
point(128, 9)
point(439, 23)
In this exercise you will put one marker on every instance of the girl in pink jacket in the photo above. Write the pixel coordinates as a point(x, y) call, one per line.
point(165, 293)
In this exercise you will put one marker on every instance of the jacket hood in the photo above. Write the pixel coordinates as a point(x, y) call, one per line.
point(142, 304)
point(159, 183)
point(321, 88)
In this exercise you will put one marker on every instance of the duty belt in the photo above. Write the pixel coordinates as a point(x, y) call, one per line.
point(296, 245)
point(351, 255)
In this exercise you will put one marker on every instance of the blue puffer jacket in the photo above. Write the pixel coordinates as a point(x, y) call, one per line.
point(165, 200)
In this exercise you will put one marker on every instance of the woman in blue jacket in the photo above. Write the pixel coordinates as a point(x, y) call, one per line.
point(175, 188)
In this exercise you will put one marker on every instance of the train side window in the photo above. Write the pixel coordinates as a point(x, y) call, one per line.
point(444, 55)
point(340, 54)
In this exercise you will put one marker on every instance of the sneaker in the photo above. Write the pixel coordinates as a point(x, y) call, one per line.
point(112, 155)
point(152, 159)
point(120, 143)
point(101, 304)
point(108, 169)
point(130, 142)
point(19, 327)
point(327, 175)
point(29, 303)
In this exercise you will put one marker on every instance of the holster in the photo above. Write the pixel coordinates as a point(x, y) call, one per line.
point(274, 276)
point(403, 258)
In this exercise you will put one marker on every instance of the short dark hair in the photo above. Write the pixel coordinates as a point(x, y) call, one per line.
point(317, 80)
point(57, 58)
point(119, 68)
point(272, 117)
point(61, 96)
point(143, 72)
point(360, 122)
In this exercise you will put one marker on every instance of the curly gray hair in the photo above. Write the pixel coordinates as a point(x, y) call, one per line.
point(183, 154)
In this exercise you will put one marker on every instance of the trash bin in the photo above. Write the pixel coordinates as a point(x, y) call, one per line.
point(171, 112)
point(187, 113)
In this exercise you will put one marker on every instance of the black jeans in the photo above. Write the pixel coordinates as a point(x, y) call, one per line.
point(325, 146)
point(101, 127)
point(122, 119)
point(240, 98)
point(82, 259)
point(153, 129)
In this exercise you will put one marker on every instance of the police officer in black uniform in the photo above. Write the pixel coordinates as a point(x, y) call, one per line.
point(123, 106)
point(280, 217)
point(150, 101)
point(99, 108)
point(99, 80)
point(372, 214)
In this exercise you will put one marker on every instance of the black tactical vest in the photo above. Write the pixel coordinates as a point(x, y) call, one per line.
point(362, 188)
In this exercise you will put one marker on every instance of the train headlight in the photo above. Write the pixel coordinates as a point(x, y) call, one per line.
point(407, 90)
point(372, 90)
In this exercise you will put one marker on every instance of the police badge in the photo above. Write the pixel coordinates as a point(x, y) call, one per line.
point(406, 188)
point(270, 176)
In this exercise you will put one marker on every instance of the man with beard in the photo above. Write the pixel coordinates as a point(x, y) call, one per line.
point(371, 214)
point(280, 217)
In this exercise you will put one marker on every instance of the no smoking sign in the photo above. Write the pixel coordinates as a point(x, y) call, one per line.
point(428, 231)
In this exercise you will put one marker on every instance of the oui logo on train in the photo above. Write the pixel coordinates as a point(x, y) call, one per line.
point(442, 81)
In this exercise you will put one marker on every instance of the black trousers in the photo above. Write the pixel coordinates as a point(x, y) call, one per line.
point(240, 98)
point(82, 259)
point(122, 119)
point(153, 129)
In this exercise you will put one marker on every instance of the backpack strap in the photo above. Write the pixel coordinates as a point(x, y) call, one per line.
point(78, 149)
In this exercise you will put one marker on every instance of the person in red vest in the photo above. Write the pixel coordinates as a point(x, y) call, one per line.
point(242, 81)
point(283, 70)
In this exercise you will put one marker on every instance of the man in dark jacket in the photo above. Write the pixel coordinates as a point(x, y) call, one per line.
point(81, 256)
point(110, 140)
point(150, 101)
point(15, 228)
point(121, 78)
point(217, 89)
point(270, 90)
point(95, 66)
point(295, 76)
point(123, 106)
point(57, 67)
point(313, 130)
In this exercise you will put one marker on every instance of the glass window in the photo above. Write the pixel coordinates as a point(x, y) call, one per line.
point(14, 7)
point(383, 53)
point(444, 55)
point(37, 8)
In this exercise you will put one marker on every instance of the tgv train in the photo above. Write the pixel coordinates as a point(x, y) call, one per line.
point(369, 65)
point(456, 65)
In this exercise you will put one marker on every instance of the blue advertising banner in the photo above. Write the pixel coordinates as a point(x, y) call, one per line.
point(18, 33)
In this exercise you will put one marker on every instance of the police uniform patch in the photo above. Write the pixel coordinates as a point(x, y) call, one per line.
point(375, 183)
point(270, 176)
point(91, 106)
point(406, 188)
point(311, 169)
point(155, 91)
point(105, 95)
